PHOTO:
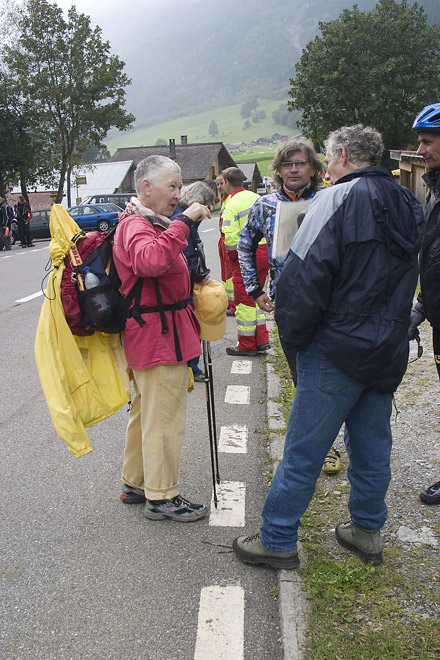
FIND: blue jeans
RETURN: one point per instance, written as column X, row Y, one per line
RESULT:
column 326, row 398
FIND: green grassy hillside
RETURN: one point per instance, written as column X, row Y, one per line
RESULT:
column 228, row 119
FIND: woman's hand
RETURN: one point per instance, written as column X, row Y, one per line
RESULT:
column 197, row 212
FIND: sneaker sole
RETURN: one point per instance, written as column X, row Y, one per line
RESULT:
column 374, row 558
column 152, row 515
column 273, row 562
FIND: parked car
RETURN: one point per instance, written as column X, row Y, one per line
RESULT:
column 262, row 188
column 112, row 207
column 92, row 216
column 39, row 226
column 115, row 198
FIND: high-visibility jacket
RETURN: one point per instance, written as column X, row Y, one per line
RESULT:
column 225, row 200
column 235, row 215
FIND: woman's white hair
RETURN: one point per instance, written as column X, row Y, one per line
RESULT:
column 199, row 191
column 151, row 167
column 363, row 144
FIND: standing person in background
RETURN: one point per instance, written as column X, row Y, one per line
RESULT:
column 225, row 266
column 253, row 336
column 201, row 192
column 353, row 266
column 5, row 243
column 427, row 125
column 23, row 213
column 297, row 176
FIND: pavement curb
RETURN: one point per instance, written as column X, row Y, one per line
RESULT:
column 292, row 597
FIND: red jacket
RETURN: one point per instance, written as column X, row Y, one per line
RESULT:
column 144, row 250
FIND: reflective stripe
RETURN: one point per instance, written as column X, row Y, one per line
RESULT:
column 226, row 223
column 242, row 214
column 246, row 333
column 231, row 248
column 244, row 322
column 261, row 321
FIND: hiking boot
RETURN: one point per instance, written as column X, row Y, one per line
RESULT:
column 250, row 550
column 332, row 462
column 176, row 509
column 132, row 495
column 234, row 350
column 431, row 495
column 263, row 348
column 367, row 545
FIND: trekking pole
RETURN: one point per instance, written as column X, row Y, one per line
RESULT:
column 210, row 405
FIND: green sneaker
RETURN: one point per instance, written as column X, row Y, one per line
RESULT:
column 367, row 545
column 250, row 550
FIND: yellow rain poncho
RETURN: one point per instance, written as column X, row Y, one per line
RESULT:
column 84, row 379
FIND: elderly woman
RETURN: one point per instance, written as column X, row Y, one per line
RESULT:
column 159, row 339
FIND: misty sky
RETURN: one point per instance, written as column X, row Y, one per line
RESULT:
column 111, row 15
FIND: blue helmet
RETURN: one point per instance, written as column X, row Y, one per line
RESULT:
column 428, row 119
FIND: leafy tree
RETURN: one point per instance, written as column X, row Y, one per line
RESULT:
column 92, row 153
column 378, row 68
column 213, row 128
column 24, row 154
column 247, row 107
column 65, row 72
column 160, row 142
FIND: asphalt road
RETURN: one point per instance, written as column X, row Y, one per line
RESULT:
column 84, row 576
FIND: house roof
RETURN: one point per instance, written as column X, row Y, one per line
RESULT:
column 398, row 154
column 195, row 160
column 249, row 170
column 102, row 177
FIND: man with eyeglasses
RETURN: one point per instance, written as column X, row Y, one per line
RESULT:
column 343, row 301
column 297, row 175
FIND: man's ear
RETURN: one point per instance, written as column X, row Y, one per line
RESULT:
column 344, row 155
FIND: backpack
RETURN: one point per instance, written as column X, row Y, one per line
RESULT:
column 102, row 308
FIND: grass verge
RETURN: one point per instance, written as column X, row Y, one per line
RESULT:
column 358, row 611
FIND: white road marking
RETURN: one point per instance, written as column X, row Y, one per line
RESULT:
column 241, row 367
column 31, row 297
column 233, row 439
column 239, row 394
column 230, row 510
column 205, row 231
column 220, row 632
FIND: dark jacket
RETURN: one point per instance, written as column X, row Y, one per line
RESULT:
column 194, row 251
column 349, row 279
column 429, row 295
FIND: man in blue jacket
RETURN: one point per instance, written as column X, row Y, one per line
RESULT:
column 343, row 301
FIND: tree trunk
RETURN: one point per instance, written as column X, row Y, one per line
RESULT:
column 23, row 187
column 69, row 187
column 2, row 185
column 59, row 197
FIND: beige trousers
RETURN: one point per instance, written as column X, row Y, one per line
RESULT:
column 155, row 430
